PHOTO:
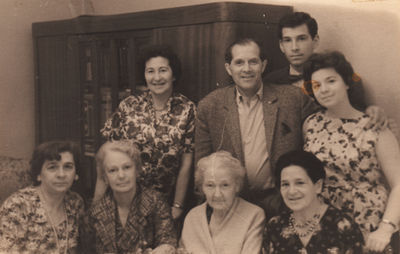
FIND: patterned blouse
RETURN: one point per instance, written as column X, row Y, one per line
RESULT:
column 149, row 224
column 337, row 233
column 25, row 228
column 161, row 141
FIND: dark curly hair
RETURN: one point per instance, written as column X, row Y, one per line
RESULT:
column 51, row 151
column 335, row 60
column 150, row 51
column 297, row 19
column 308, row 161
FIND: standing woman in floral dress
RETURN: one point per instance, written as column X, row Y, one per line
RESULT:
column 360, row 161
column 161, row 123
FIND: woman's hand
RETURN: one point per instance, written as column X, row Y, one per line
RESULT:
column 164, row 249
column 379, row 239
column 176, row 212
column 182, row 251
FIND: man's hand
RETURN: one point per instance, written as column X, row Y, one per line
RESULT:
column 378, row 118
column 394, row 127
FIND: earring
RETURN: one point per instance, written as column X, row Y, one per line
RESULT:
column 76, row 177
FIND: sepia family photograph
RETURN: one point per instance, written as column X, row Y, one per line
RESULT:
column 200, row 126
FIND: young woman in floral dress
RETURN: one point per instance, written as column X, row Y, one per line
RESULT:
column 360, row 161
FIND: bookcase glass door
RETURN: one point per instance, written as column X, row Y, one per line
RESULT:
column 107, row 76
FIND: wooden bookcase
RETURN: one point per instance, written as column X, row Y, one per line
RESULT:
column 86, row 65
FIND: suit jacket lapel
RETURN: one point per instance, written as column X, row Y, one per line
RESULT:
column 232, row 124
column 270, row 108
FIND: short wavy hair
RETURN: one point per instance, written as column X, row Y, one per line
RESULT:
column 296, row 19
column 151, row 51
column 330, row 59
column 50, row 151
column 123, row 146
column 243, row 42
column 308, row 161
column 216, row 161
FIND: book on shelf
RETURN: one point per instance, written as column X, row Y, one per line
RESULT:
column 106, row 104
column 88, row 115
column 123, row 94
column 89, row 147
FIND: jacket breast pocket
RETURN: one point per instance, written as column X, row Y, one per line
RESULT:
column 285, row 129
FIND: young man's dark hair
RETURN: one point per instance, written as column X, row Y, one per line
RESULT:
column 297, row 19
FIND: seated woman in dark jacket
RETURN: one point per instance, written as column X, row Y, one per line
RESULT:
column 128, row 218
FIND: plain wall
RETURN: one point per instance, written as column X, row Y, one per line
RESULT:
column 17, row 125
column 366, row 31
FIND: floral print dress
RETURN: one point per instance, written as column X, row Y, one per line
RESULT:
column 354, row 182
column 25, row 228
column 336, row 233
column 161, row 141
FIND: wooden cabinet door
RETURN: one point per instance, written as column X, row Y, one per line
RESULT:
column 57, row 89
column 194, row 44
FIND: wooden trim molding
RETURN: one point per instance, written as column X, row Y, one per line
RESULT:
column 188, row 15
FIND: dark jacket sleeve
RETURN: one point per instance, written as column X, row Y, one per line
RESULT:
column 308, row 106
column 203, row 140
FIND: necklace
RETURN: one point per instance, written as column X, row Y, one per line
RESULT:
column 53, row 226
column 303, row 230
column 306, row 228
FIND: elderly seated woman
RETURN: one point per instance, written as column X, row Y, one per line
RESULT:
column 128, row 218
column 225, row 223
column 44, row 218
column 311, row 226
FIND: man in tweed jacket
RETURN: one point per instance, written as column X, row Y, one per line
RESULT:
column 253, row 121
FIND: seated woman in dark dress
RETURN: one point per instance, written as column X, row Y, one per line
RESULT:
column 128, row 218
column 310, row 226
